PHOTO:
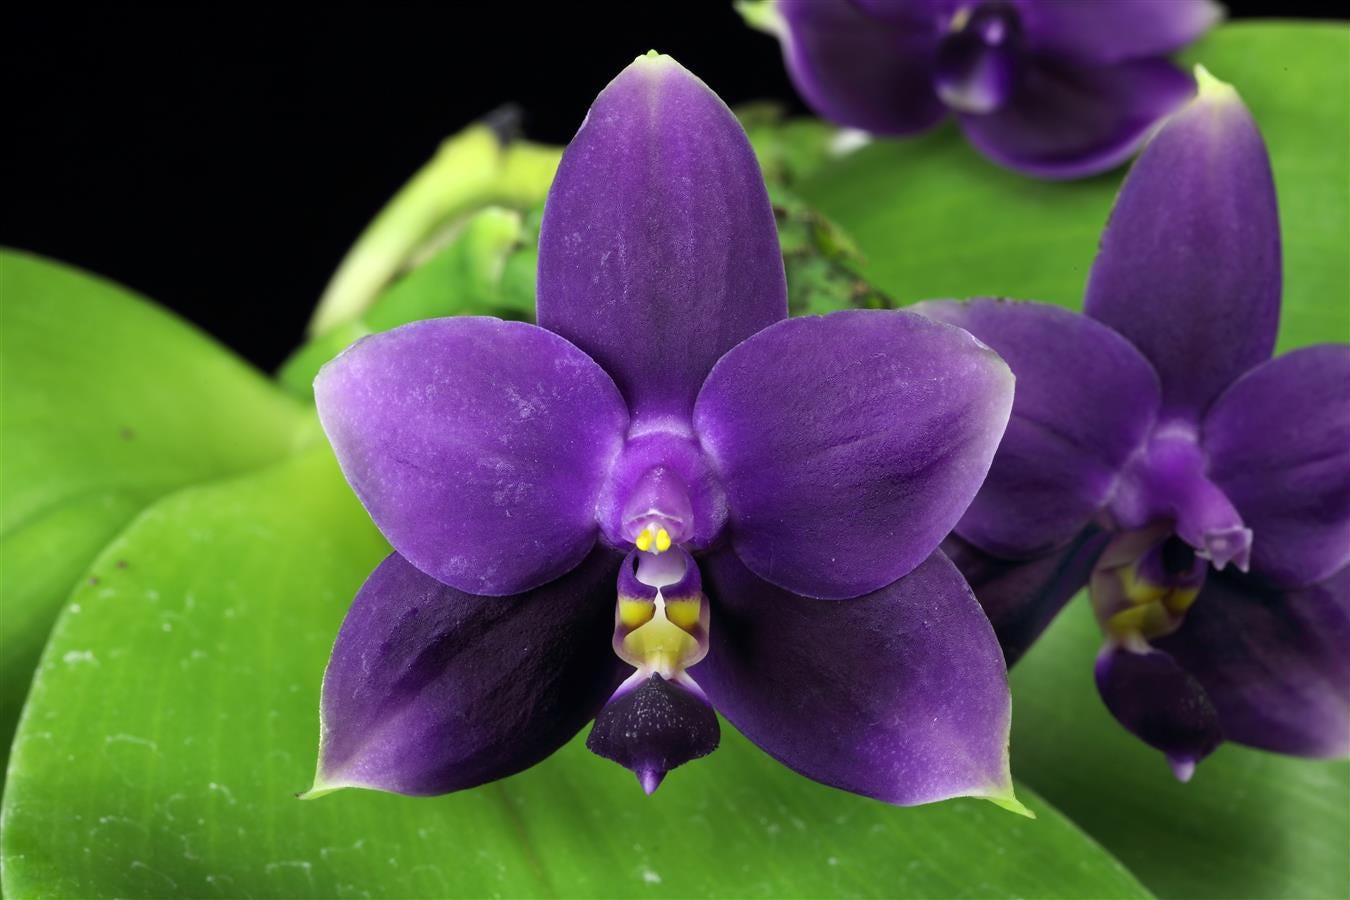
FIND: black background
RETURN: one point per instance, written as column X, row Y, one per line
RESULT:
column 221, row 160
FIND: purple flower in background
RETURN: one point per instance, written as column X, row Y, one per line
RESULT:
column 666, row 499
column 1156, row 449
column 1049, row 88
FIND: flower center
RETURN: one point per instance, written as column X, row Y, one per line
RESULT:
column 1167, row 483
column 658, row 718
column 662, row 493
column 658, row 512
column 1143, row 585
column 979, row 60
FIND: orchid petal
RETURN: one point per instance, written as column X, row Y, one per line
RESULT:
column 900, row 695
column 1085, row 401
column 1189, row 267
column 850, row 444
column 1022, row 597
column 478, row 446
column 1068, row 120
column 658, row 250
column 1160, row 703
column 1273, row 663
column 1278, row 442
column 861, row 70
column 1115, row 30
column 431, row 690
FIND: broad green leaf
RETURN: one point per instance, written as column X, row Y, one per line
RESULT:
column 934, row 219
column 175, row 715
column 108, row 403
column 1249, row 824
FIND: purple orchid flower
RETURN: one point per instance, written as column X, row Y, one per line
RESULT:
column 669, row 481
column 1158, row 451
column 1049, row 88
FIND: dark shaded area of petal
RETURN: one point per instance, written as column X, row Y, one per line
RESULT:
column 1189, row 266
column 1115, row 30
column 430, row 690
column 1084, row 402
column 900, row 695
column 653, row 727
column 1068, row 120
column 1278, row 442
column 478, row 446
column 1161, row 704
column 1274, row 663
column 1022, row 597
column 850, row 444
column 658, row 250
column 873, row 72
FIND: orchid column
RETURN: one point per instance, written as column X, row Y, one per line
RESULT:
column 665, row 498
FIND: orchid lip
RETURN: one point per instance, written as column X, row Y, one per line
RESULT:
column 659, row 718
column 1143, row 585
column 662, row 615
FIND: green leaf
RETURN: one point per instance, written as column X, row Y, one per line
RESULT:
column 1249, row 824
column 935, row 220
column 109, row 403
column 175, row 715
column 470, row 170
column 485, row 266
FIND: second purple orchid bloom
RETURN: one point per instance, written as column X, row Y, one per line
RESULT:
column 1157, row 451
column 666, row 499
column 1048, row 88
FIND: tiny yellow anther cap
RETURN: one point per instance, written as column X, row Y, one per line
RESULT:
column 643, row 540
column 662, row 541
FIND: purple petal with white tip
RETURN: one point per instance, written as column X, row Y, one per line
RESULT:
column 658, row 250
column 1115, row 30
column 1084, row 402
column 1161, row 704
column 1278, row 442
column 850, row 444
column 1274, row 663
column 900, row 695
column 479, row 447
column 1022, row 597
column 431, row 690
column 873, row 72
column 1068, row 120
column 1189, row 266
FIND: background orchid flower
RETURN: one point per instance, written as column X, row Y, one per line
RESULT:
column 1049, row 88
column 1156, row 448
column 667, row 488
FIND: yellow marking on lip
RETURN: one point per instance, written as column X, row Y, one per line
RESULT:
column 643, row 540
column 662, row 645
column 683, row 613
column 635, row 613
column 1180, row 600
column 1138, row 591
column 1145, row 621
